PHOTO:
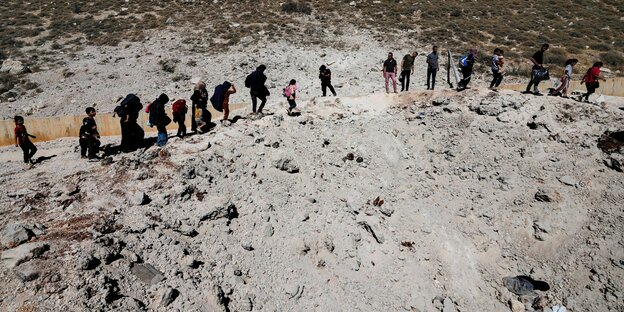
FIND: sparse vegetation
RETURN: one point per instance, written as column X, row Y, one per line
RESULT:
column 612, row 59
column 519, row 24
column 168, row 65
column 296, row 7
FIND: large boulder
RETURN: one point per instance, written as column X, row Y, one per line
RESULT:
column 14, row 67
column 15, row 234
column 14, row 257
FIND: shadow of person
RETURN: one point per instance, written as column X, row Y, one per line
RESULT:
column 237, row 118
column 41, row 159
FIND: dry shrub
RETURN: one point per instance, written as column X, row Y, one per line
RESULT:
column 613, row 59
column 297, row 7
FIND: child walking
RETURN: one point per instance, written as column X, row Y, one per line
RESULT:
column 179, row 110
column 562, row 90
column 22, row 139
column 290, row 92
column 89, row 135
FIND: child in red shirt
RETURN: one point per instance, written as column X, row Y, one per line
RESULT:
column 22, row 139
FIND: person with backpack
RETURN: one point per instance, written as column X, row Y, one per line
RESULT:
column 497, row 72
column 466, row 63
column 89, row 135
column 158, row 117
column 290, row 92
column 432, row 67
column 179, row 110
column 538, row 66
column 22, row 139
column 221, row 99
column 389, row 71
column 591, row 80
column 407, row 69
column 199, row 101
column 229, row 89
column 255, row 82
column 325, row 76
column 131, row 133
column 562, row 89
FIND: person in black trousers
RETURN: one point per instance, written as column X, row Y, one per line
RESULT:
column 255, row 82
column 407, row 69
column 432, row 68
column 89, row 135
column 325, row 76
column 538, row 63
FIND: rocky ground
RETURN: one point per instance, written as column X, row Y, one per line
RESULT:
column 100, row 75
column 418, row 202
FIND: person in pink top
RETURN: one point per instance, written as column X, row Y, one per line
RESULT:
column 390, row 71
column 591, row 80
column 290, row 92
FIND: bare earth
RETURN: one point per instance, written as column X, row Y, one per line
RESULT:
column 273, row 215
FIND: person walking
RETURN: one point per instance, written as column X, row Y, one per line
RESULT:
column 22, row 139
column 432, row 68
column 89, row 135
column 325, row 76
column 407, row 69
column 158, row 117
column 591, row 80
column 179, row 110
column 390, row 71
column 131, row 133
column 290, row 92
column 538, row 63
column 466, row 64
column 229, row 89
column 562, row 89
column 497, row 72
column 255, row 82
column 199, row 101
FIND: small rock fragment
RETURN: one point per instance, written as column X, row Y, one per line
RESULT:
column 147, row 273
column 168, row 296
column 27, row 272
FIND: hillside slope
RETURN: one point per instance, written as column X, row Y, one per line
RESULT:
column 452, row 193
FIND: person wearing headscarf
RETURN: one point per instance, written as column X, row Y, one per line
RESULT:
column 199, row 101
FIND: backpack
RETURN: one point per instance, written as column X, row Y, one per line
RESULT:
column 151, row 109
column 463, row 61
column 131, row 103
column 217, row 98
column 179, row 107
column 248, row 81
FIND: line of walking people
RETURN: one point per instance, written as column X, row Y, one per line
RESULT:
column 466, row 64
column 132, row 134
column 130, row 107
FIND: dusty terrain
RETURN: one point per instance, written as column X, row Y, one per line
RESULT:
column 423, row 201
column 452, row 193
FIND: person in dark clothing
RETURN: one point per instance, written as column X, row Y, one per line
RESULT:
column 390, row 71
column 497, row 69
column 407, row 69
column 89, row 135
column 158, row 117
column 131, row 133
column 538, row 63
column 465, row 65
column 22, row 139
column 325, row 76
column 179, row 110
column 255, row 82
column 432, row 68
column 199, row 101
